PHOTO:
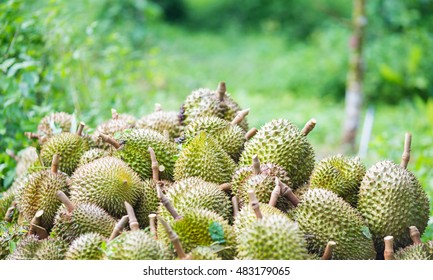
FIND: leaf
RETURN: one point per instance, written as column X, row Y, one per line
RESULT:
column 6, row 64
column 216, row 232
column 366, row 231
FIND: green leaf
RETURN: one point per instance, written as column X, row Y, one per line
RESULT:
column 216, row 232
column 366, row 231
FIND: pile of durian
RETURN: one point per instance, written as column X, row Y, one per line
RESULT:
column 199, row 185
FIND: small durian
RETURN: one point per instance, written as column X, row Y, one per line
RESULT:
column 91, row 155
column 53, row 124
column 25, row 249
column 161, row 121
column 87, row 246
column 117, row 124
column 25, row 159
column 51, row 249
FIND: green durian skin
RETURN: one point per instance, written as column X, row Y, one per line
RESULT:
column 25, row 249
column 135, row 152
column 414, row 252
column 91, row 155
column 51, row 249
column 204, row 158
column 272, row 237
column 161, row 121
column 69, row 146
column 87, row 246
column 323, row 216
column 280, row 142
column 340, row 174
column 137, row 245
column 203, row 253
column 391, row 200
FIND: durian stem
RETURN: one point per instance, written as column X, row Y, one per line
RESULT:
column 158, row 107
column 55, row 163
column 119, row 227
column 240, row 117
column 256, row 165
column 167, row 204
column 114, row 114
column 152, row 225
column 109, row 140
column 250, row 134
column 174, row 238
column 225, row 187
column 35, row 227
column 10, row 212
column 309, row 126
column 133, row 223
column 31, row 135
column 275, row 194
column 327, row 255
column 80, row 128
column 235, row 203
column 389, row 248
column 221, row 91
column 406, row 153
column 155, row 165
column 287, row 192
column 415, row 235
column 65, row 200
column 255, row 204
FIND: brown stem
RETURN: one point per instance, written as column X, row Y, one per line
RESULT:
column 287, row 192
column 389, row 248
column 415, row 235
column 167, row 204
column 35, row 227
column 133, row 223
column 406, row 153
column 65, row 200
column 114, row 114
column 10, row 212
column 221, row 91
column 80, row 128
column 255, row 204
column 109, row 140
column 275, row 194
column 327, row 255
column 250, row 134
column 31, row 135
column 158, row 107
column 55, row 163
column 174, row 238
column 155, row 165
column 121, row 224
column 309, row 126
column 235, row 203
column 152, row 224
column 256, row 165
column 240, row 117
column 225, row 187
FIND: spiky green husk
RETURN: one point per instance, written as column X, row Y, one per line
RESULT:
column 273, row 237
column 137, row 245
column 26, row 158
column 340, row 174
column 39, row 193
column 391, row 200
column 203, row 253
column 280, row 142
column 69, row 146
column 414, row 252
column 87, row 246
column 107, row 182
column 26, row 249
column 230, row 137
column 203, row 157
column 91, row 155
column 51, row 249
column 205, row 103
column 53, row 124
column 111, row 128
column 134, row 152
column 161, row 121
column 201, row 227
column 84, row 218
column 323, row 216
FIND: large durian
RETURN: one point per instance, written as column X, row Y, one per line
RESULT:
column 87, row 246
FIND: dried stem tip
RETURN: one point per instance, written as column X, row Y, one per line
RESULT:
column 31, row 135
column 35, row 227
column 55, row 163
column 221, row 91
column 10, row 212
column 256, row 165
column 174, row 238
column 155, row 165
column 114, row 114
column 275, row 194
column 65, row 200
column 225, row 187
column 309, row 126
column 133, row 223
column 121, row 224
column 235, row 203
column 152, row 225
column 240, row 117
column 287, row 192
column 415, row 235
column 167, row 204
column 255, row 204
column 80, row 128
column 109, row 140
column 389, row 248
column 250, row 134
column 327, row 255
column 406, row 152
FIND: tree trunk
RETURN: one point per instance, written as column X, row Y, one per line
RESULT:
column 354, row 77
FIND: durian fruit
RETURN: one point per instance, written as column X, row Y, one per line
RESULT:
column 280, row 142
column 229, row 135
column 53, row 124
column 391, row 199
column 161, row 121
column 270, row 237
column 39, row 193
column 51, row 249
column 73, row 220
column 206, row 103
column 25, row 249
column 340, row 174
column 87, row 246
column 25, row 159
column 323, row 216
column 203, row 253
column 416, row 251
column 117, row 124
column 132, row 147
column 91, row 155
column 203, row 157
column 106, row 182
column 70, row 147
